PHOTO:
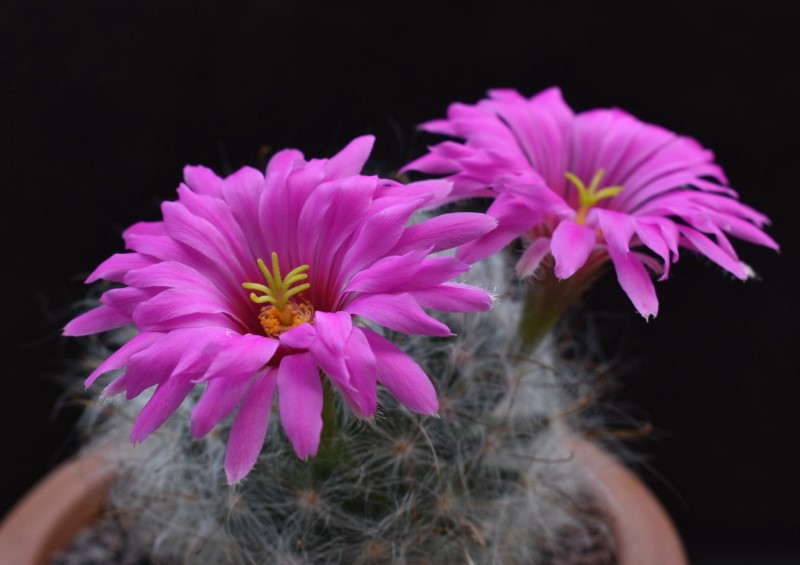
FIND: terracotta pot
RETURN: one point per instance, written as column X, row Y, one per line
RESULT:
column 644, row 531
column 56, row 509
column 71, row 496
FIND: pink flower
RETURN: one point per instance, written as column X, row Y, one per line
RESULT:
column 588, row 187
column 254, row 282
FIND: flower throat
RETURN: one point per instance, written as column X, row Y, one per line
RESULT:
column 280, row 313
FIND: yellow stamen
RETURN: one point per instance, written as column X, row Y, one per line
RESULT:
column 591, row 195
column 281, row 314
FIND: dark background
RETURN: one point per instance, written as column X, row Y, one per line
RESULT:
column 103, row 102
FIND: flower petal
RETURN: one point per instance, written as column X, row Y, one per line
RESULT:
column 120, row 357
column 175, row 303
column 115, row 267
column 412, row 271
column 406, row 380
column 202, row 180
column 571, row 245
column 652, row 237
column 329, row 216
column 165, row 400
column 399, row 312
column 299, row 337
column 697, row 241
column 300, row 402
column 238, row 356
column 635, row 281
column 617, row 229
column 219, row 399
column 362, row 396
column 250, row 427
column 445, row 232
column 95, row 321
column 377, row 235
column 174, row 350
column 350, row 160
column 242, row 191
column 126, row 300
column 454, row 297
column 517, row 209
column 532, row 257
column 332, row 331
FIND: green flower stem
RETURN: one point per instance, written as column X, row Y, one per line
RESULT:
column 546, row 301
column 327, row 454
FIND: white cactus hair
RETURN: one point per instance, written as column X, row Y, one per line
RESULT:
column 490, row 481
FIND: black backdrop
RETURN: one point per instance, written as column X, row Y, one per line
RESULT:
column 103, row 102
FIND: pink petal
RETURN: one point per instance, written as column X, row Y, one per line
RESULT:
column 175, row 303
column 432, row 163
column 172, row 274
column 160, row 246
column 514, row 219
column 126, row 300
column 239, row 355
column 202, row 236
column 443, row 127
column 401, row 376
column 454, row 297
column 279, row 167
column 225, row 232
column 115, row 387
column 283, row 199
column 250, row 427
column 652, row 237
column 120, row 357
column 94, row 321
column 242, row 192
column 746, row 231
column 517, row 209
column 411, row 271
column 617, row 229
column 154, row 364
column 219, row 399
column 635, row 281
column 115, row 267
column 350, row 160
column 328, row 349
column 165, row 400
column 329, row 216
column 532, row 257
column 300, row 402
column 202, row 180
column 445, row 232
column 705, row 246
column 300, row 337
column 399, row 312
column 571, row 245
column 362, row 395
column 540, row 127
column 377, row 235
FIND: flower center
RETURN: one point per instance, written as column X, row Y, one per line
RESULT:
column 281, row 311
column 591, row 195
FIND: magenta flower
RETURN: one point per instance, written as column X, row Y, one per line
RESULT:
column 254, row 282
column 588, row 187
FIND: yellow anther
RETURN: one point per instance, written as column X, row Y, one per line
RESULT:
column 591, row 195
column 278, row 290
